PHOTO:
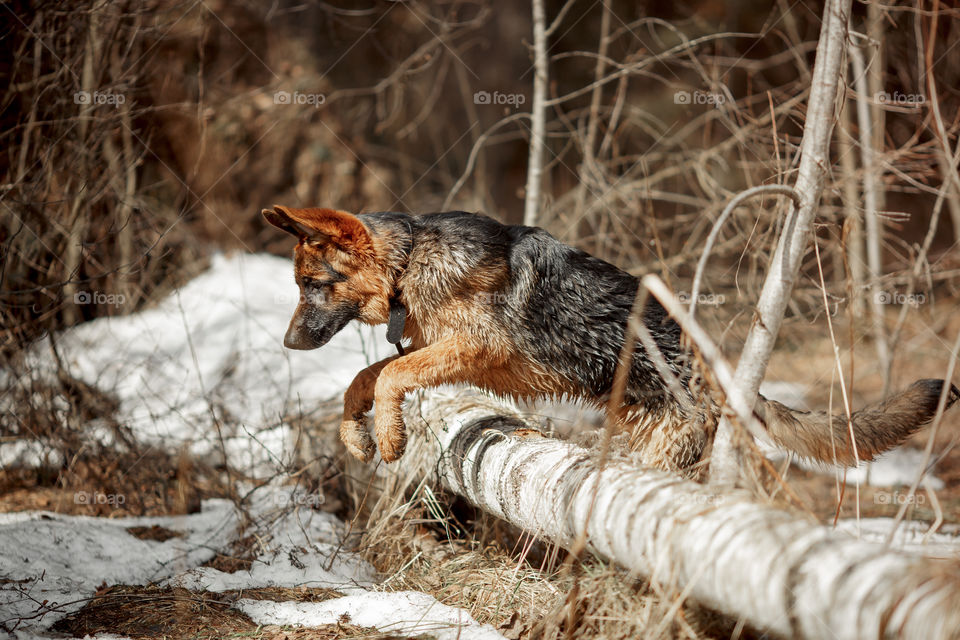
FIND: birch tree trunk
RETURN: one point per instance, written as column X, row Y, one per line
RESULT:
column 778, row 572
column 876, row 29
column 538, row 117
column 794, row 240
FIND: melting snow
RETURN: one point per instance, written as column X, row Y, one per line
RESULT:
column 212, row 348
column 215, row 348
column 401, row 612
column 61, row 560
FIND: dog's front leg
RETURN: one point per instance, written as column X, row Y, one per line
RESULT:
column 357, row 401
column 447, row 361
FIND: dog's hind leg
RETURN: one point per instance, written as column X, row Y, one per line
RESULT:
column 667, row 438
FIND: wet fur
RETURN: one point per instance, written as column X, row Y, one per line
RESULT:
column 514, row 311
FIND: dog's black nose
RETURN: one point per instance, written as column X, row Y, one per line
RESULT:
column 299, row 340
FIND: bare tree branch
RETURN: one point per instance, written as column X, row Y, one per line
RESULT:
column 779, row 189
column 793, row 242
column 538, row 128
column 871, row 188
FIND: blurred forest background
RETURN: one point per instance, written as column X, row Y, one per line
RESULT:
column 141, row 137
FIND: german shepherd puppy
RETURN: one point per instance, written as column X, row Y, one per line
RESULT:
column 514, row 311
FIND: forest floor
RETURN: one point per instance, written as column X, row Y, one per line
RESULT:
column 274, row 544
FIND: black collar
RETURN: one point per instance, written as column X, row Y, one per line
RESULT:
column 398, row 312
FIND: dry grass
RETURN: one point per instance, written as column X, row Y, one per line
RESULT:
column 155, row 533
column 807, row 357
column 423, row 539
column 141, row 612
column 133, row 215
column 175, row 613
column 239, row 556
column 522, row 586
column 113, row 483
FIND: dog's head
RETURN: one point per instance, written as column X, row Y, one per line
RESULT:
column 338, row 271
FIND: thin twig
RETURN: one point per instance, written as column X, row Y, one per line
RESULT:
column 712, row 355
column 778, row 189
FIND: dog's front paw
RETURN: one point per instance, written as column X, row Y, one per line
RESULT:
column 391, row 436
column 356, row 438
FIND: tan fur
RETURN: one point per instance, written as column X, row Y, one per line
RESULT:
column 454, row 337
column 451, row 338
column 357, row 401
column 668, row 439
column 876, row 428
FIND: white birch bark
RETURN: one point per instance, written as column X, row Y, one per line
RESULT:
column 794, row 240
column 777, row 571
column 538, row 117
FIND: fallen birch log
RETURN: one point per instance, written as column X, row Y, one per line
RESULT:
column 775, row 569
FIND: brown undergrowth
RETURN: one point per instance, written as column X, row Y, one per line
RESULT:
column 176, row 613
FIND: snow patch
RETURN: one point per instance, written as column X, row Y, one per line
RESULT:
column 898, row 466
column 911, row 535
column 212, row 348
column 63, row 559
column 210, row 353
column 305, row 548
column 792, row 394
column 403, row 612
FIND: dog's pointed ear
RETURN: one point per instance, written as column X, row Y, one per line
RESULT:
column 321, row 226
column 280, row 217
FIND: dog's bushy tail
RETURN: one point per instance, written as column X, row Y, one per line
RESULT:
column 877, row 427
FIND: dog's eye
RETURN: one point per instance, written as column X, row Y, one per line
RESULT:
column 317, row 296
